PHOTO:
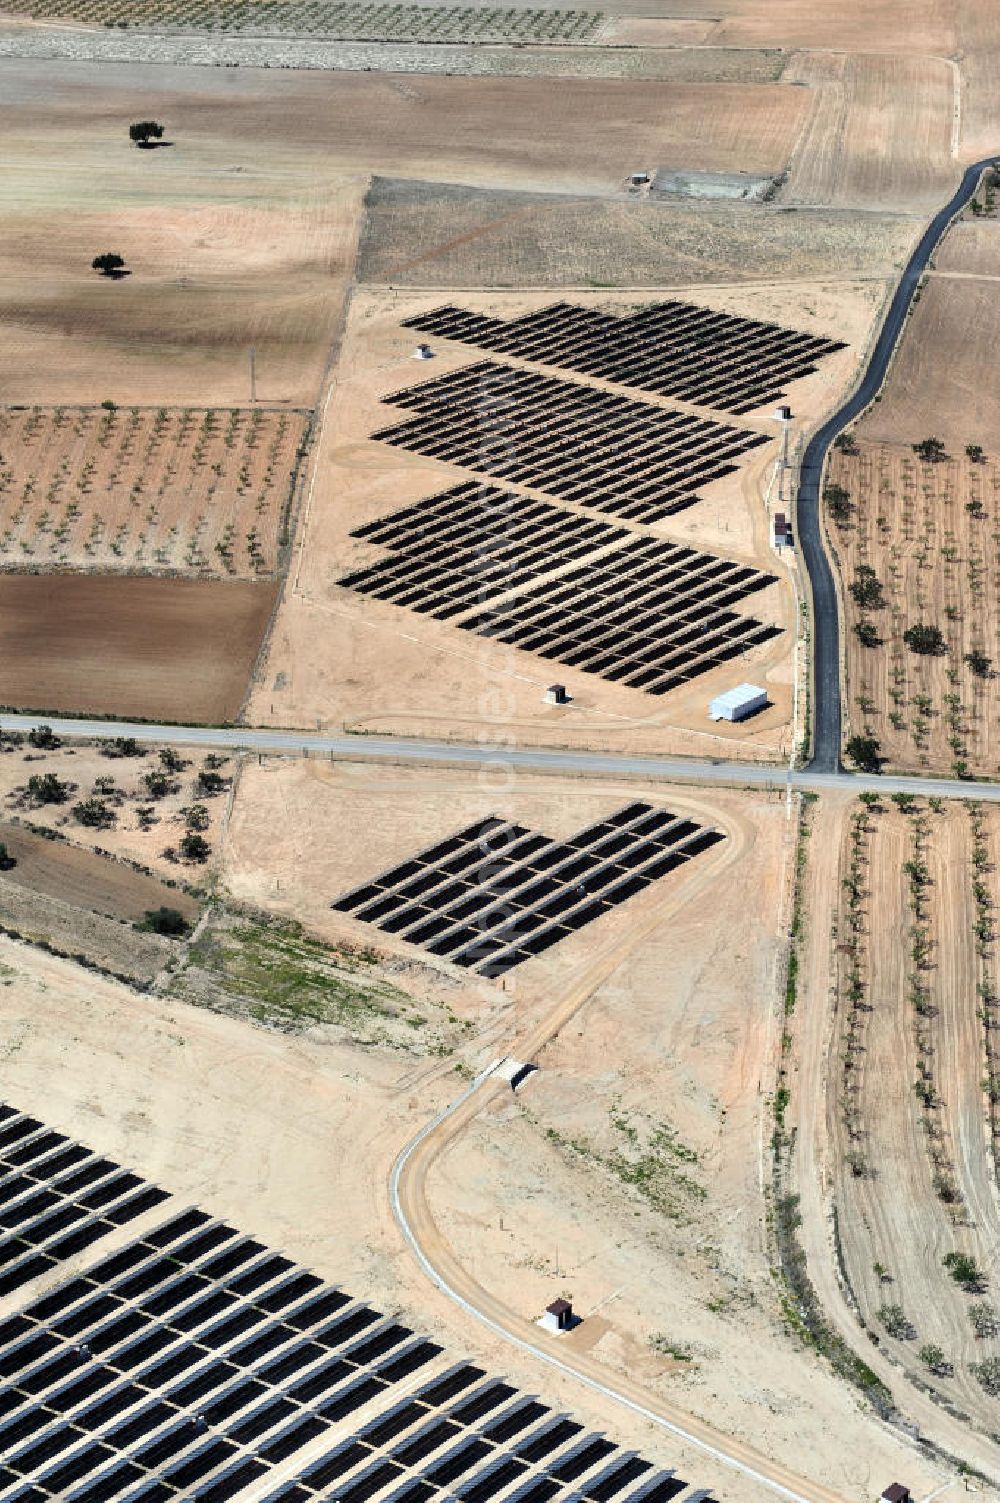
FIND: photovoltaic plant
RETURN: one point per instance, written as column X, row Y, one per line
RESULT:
column 496, row 893
column 194, row 1364
column 675, row 349
column 633, row 609
column 604, row 451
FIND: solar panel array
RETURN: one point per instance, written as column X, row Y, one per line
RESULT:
column 652, row 616
column 609, row 453
column 497, row 893
column 194, row 1363
column 470, row 544
column 639, row 611
column 57, row 1198
column 673, row 348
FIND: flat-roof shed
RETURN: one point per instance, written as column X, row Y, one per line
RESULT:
column 738, row 703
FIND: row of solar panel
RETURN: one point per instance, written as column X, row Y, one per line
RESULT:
column 482, row 520
column 674, row 349
column 56, row 1199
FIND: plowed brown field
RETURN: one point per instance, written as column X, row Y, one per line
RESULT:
column 164, row 649
column 879, row 136
column 86, row 880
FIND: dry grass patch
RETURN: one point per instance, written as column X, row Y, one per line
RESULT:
column 158, row 490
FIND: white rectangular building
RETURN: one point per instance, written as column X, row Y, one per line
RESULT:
column 738, row 703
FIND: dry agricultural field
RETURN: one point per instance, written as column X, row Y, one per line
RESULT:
column 914, row 1082
column 172, row 491
column 928, row 533
column 160, row 649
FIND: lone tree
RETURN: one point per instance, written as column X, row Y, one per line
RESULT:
column 866, row 633
column 864, row 753
column 930, row 450
column 924, row 639
column 975, row 453
column 7, row 861
column 839, row 502
column 978, row 662
column 145, row 131
column 109, row 263
column 866, row 588
column 167, row 921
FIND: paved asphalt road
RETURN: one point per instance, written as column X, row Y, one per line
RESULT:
column 826, row 627
column 531, row 759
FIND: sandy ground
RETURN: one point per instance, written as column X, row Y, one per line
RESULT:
column 935, row 561
column 257, row 1125
column 336, row 658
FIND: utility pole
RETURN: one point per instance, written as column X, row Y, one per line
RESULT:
column 784, row 417
column 253, row 374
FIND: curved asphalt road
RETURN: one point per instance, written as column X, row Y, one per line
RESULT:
column 809, row 524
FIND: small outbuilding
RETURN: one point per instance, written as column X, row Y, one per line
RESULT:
column 738, row 703
column 556, row 694
column 896, row 1492
column 423, row 352
column 558, row 1317
column 781, row 530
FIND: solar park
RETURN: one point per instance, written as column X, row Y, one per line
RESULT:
column 672, row 348
column 632, row 609
column 607, row 452
column 193, row 1363
column 496, row 893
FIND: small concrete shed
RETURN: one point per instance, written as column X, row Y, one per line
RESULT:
column 738, row 703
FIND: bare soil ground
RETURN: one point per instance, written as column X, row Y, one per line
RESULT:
column 127, row 840
column 898, row 1153
column 160, row 491
column 341, row 658
column 98, row 942
column 441, row 235
column 879, row 135
column 936, row 386
column 935, row 560
column 162, row 649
